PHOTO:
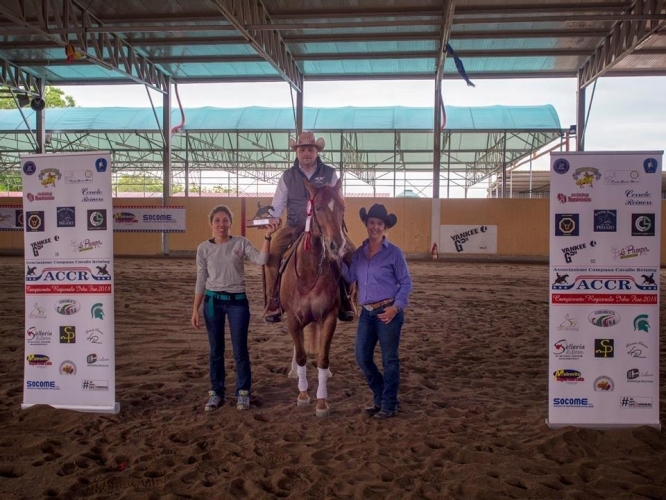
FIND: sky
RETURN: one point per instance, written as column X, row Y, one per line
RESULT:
column 627, row 114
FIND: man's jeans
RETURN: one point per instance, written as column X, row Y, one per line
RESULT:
column 370, row 331
column 238, row 312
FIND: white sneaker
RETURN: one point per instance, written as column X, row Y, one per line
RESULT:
column 243, row 400
column 214, row 401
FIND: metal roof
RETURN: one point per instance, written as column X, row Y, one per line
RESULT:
column 188, row 41
column 381, row 147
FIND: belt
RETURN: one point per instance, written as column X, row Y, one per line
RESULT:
column 223, row 296
column 376, row 305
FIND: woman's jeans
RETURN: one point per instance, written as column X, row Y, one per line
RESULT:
column 238, row 312
column 370, row 331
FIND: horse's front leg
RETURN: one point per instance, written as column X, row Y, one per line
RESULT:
column 300, row 359
column 323, row 373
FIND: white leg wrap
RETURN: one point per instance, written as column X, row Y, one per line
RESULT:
column 302, row 378
column 322, row 375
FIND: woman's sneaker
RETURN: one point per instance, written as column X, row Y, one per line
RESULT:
column 214, row 401
column 243, row 400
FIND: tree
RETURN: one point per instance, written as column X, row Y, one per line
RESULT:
column 137, row 183
column 10, row 181
column 54, row 97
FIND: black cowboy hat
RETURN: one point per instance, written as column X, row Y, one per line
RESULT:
column 378, row 211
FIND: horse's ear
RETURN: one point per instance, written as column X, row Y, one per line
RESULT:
column 311, row 189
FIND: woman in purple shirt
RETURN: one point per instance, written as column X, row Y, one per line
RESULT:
column 384, row 284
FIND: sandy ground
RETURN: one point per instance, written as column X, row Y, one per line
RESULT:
column 471, row 422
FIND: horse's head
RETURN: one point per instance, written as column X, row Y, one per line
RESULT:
column 327, row 210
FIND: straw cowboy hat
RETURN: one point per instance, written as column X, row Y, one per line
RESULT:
column 307, row 139
column 378, row 212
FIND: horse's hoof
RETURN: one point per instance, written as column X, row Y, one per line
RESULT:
column 322, row 413
column 303, row 402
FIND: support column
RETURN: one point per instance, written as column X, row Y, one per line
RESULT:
column 166, row 158
column 580, row 115
column 299, row 112
column 40, row 132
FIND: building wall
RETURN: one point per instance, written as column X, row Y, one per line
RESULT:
column 522, row 224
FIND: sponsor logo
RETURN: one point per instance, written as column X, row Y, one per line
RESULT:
column 637, row 350
column 125, row 218
column 171, row 218
column 68, row 274
column 97, row 311
column 67, row 307
column 41, row 384
column 564, row 350
column 569, row 252
column 34, row 221
column 628, row 252
column 97, row 220
column 572, row 403
column 640, row 402
column 38, row 312
column 604, row 283
column 85, row 245
column 569, row 376
column 49, row 176
column 566, row 225
column 67, row 368
column 637, row 198
column 561, row 166
column 604, row 384
column 92, row 195
column 650, row 165
column 635, row 376
column 641, row 323
column 605, row 221
column 101, row 164
column 604, row 348
column 642, row 224
column 78, row 176
column 568, row 325
column 617, row 177
column 19, row 221
column 94, row 335
column 585, row 177
column 38, row 360
column 36, row 337
column 68, row 334
column 29, row 168
column 41, row 196
column 574, row 198
column 458, row 239
column 97, row 361
column 38, row 245
column 94, row 385
column 66, row 216
column 604, row 318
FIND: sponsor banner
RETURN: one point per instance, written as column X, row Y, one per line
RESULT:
column 69, row 282
column 468, row 239
column 149, row 219
column 11, row 218
column 605, row 219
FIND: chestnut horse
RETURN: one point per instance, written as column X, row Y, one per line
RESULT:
column 310, row 289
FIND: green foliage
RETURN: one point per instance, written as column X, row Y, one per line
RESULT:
column 10, row 182
column 136, row 183
column 54, row 97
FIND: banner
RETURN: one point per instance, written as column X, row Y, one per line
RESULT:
column 468, row 239
column 69, row 294
column 149, row 219
column 605, row 211
column 11, row 218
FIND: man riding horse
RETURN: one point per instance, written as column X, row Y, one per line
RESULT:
column 292, row 194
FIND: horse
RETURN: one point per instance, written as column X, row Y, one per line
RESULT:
column 309, row 288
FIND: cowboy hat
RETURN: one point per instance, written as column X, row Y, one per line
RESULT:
column 378, row 212
column 307, row 139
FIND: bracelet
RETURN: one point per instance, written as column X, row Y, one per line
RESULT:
column 268, row 238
